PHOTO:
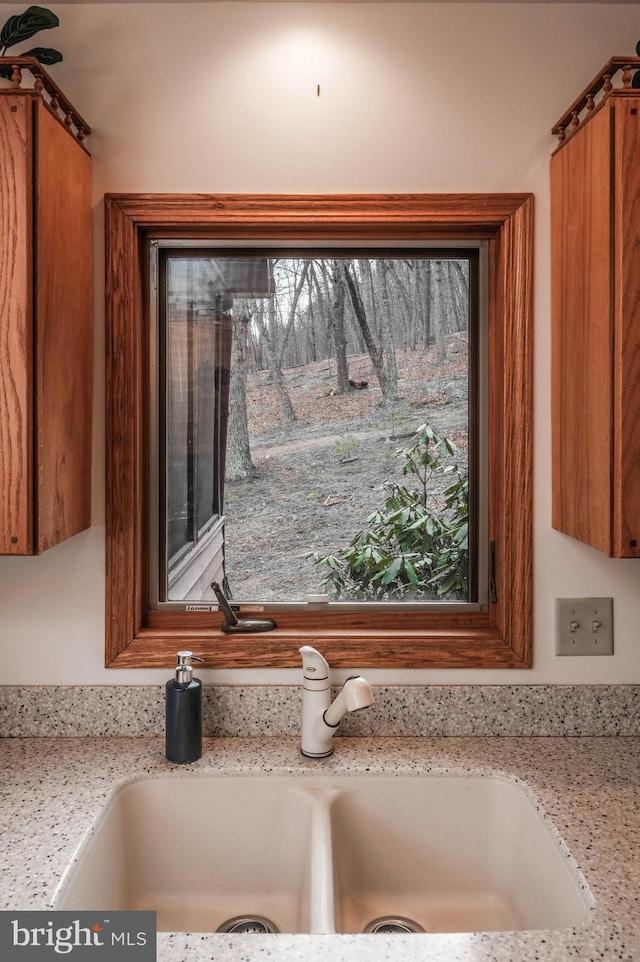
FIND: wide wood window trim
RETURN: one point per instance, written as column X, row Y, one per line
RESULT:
column 497, row 638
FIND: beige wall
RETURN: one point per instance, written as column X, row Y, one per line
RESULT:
column 414, row 97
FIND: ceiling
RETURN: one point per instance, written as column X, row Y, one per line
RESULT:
column 13, row 3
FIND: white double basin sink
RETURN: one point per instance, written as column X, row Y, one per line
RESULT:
column 325, row 854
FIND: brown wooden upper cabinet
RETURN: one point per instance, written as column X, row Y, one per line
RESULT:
column 595, row 222
column 45, row 317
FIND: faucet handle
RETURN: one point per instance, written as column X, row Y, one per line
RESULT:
column 314, row 666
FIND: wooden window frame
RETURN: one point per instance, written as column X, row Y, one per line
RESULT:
column 500, row 637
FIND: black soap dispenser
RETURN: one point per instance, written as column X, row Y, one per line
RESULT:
column 183, row 708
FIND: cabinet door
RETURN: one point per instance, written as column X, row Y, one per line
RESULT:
column 582, row 415
column 626, row 464
column 45, row 329
column 16, row 334
column 64, row 342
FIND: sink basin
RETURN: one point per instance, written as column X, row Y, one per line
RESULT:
column 198, row 851
column 455, row 854
column 327, row 854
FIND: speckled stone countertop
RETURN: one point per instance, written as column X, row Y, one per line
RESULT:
column 53, row 790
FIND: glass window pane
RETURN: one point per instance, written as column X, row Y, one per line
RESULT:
column 178, row 420
column 325, row 405
column 205, row 506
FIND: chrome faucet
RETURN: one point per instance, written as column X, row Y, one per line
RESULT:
column 321, row 717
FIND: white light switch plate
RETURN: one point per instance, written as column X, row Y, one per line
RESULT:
column 584, row 626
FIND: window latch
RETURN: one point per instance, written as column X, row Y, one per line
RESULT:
column 231, row 623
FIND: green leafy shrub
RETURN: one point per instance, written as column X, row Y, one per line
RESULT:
column 416, row 547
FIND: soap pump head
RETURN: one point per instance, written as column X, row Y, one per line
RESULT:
column 184, row 666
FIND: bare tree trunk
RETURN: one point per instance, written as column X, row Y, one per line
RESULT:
column 459, row 283
column 337, row 318
column 288, row 414
column 368, row 293
column 425, row 293
column 414, row 304
column 386, row 336
column 239, row 463
column 375, row 352
column 334, row 298
column 312, row 346
column 300, row 282
column 438, row 310
column 401, row 274
column 323, row 302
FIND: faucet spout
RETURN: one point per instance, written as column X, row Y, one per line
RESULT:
column 321, row 717
column 355, row 695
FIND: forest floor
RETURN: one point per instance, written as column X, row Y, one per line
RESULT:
column 320, row 477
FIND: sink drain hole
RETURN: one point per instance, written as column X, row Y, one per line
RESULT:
column 248, row 925
column 392, row 925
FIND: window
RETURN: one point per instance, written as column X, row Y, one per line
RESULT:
column 328, row 398
column 217, row 262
